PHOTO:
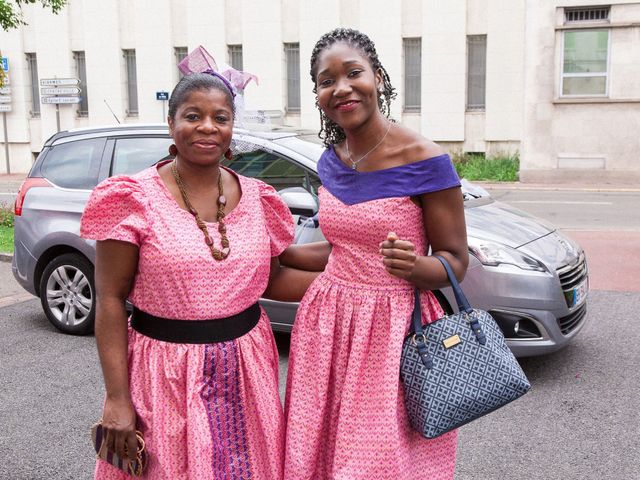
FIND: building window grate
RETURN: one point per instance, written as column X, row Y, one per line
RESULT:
column 32, row 64
column 81, row 72
column 292, row 60
column 591, row 14
column 235, row 56
column 476, row 72
column 180, row 54
column 132, row 81
column 412, row 49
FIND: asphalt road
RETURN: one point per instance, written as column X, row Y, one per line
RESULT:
column 588, row 209
column 580, row 421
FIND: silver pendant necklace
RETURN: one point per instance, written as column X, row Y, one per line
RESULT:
column 355, row 163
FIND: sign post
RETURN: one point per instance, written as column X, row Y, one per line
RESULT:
column 5, row 106
column 163, row 96
column 59, row 90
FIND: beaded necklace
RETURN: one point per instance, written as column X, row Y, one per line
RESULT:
column 222, row 229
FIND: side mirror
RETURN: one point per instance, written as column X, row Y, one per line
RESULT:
column 299, row 201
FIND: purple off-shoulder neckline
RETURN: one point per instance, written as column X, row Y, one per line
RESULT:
column 352, row 187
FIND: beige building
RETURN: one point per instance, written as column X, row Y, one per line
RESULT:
column 558, row 82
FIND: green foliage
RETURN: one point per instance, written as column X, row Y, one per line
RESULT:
column 6, row 216
column 6, row 239
column 11, row 11
column 499, row 168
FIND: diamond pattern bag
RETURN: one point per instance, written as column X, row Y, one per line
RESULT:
column 457, row 368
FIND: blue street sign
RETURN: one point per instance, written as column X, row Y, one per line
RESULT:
column 5, row 64
column 162, row 95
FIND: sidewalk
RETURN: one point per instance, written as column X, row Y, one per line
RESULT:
column 565, row 186
column 11, row 183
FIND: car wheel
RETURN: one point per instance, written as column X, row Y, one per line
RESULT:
column 67, row 294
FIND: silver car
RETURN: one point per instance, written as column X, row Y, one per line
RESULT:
column 532, row 279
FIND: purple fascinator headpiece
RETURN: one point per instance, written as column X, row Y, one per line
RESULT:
column 201, row 61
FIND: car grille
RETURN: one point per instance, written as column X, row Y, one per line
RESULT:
column 571, row 276
column 574, row 319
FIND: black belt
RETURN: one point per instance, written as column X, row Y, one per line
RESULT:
column 196, row 331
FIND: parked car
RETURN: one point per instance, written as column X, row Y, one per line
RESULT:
column 532, row 279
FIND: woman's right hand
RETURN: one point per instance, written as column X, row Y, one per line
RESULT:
column 119, row 425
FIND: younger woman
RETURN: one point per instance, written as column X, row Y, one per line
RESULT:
column 344, row 407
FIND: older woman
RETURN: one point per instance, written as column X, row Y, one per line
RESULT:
column 192, row 246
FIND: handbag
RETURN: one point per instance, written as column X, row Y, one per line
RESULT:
column 457, row 368
column 134, row 467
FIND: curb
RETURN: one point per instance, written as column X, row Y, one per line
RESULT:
column 554, row 187
column 6, row 257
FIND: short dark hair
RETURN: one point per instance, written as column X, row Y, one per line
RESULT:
column 330, row 132
column 193, row 82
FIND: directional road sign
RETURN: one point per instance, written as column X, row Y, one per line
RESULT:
column 5, row 91
column 52, row 82
column 59, row 91
column 162, row 95
column 5, row 108
column 54, row 100
column 5, row 99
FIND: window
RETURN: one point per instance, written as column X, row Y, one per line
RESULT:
column 235, row 56
column 132, row 155
column 270, row 168
column 292, row 60
column 32, row 63
column 585, row 62
column 281, row 173
column 412, row 48
column 132, row 81
column 81, row 72
column 476, row 71
column 180, row 54
column 74, row 164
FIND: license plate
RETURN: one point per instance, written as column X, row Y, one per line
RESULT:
column 580, row 293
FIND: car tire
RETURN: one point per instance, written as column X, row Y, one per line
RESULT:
column 67, row 294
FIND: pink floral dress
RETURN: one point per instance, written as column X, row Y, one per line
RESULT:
column 206, row 411
column 344, row 406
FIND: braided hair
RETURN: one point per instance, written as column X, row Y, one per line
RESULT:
column 330, row 132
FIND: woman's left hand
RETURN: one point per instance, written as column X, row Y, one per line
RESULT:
column 398, row 256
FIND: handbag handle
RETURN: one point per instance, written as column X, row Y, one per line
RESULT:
column 419, row 336
column 461, row 299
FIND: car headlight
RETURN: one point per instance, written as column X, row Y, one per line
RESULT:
column 493, row 254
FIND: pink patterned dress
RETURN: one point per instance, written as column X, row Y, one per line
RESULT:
column 207, row 411
column 344, row 407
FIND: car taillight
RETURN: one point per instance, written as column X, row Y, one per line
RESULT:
column 24, row 188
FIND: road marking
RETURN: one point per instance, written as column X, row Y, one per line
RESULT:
column 559, row 202
column 17, row 298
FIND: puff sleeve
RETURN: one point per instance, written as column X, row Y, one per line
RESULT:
column 116, row 210
column 277, row 218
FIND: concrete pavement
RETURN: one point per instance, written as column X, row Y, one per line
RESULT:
column 11, row 183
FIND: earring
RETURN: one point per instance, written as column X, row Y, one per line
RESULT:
column 173, row 150
column 228, row 154
column 380, row 89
